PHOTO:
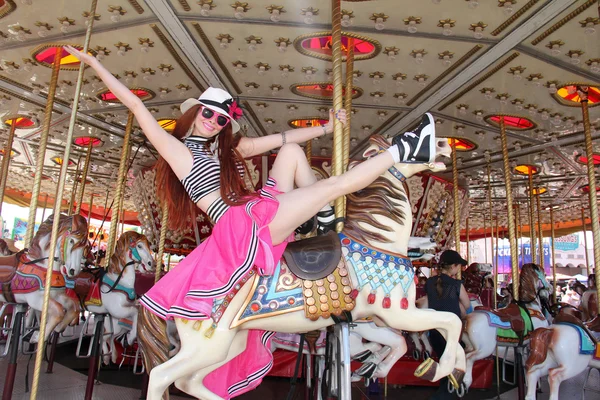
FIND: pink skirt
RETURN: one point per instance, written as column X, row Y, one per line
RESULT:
column 240, row 241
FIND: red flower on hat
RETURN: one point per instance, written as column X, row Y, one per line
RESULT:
column 235, row 112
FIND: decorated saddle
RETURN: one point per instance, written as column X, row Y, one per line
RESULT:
column 513, row 324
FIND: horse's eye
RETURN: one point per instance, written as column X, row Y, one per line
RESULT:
column 72, row 241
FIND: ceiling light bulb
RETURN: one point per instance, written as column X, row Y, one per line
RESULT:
column 275, row 91
column 285, row 73
column 391, row 55
column 555, row 49
column 422, row 82
column 116, row 16
column 164, row 94
column 224, row 43
column 488, row 95
column 401, row 100
column 376, row 99
column 205, row 10
column 447, row 61
column 419, row 58
column 65, row 27
column 261, row 70
column 145, row 48
column 100, row 55
column 517, row 75
column 412, row 27
column 545, row 115
column 589, row 28
column 308, row 18
column 165, row 72
column 252, row 45
column 282, row 48
column 346, row 21
column 478, row 32
column 275, row 16
column 473, row 4
column 43, row 32
column 122, row 51
column 239, row 13
column 239, row 68
column 376, row 80
column 552, row 88
column 508, row 8
column 447, row 30
column 379, row 24
column 595, row 67
column 575, row 60
column 147, row 76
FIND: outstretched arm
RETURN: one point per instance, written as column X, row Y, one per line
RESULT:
column 169, row 147
column 249, row 147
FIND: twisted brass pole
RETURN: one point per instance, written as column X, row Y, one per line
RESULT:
column 41, row 157
column 6, row 161
column 455, row 200
column 348, row 101
column 467, row 238
column 585, row 244
column 59, row 190
column 76, row 177
column 89, row 218
column 540, row 229
column 308, row 152
column 519, row 222
column 589, row 150
column 164, row 222
column 338, row 129
column 553, row 255
column 510, row 212
column 489, row 196
column 531, row 217
column 114, row 218
column 497, row 239
column 45, row 206
column 485, row 249
column 84, row 174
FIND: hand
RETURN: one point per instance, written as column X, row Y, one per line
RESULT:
column 340, row 115
column 86, row 58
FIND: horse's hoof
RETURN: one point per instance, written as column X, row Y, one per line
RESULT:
column 416, row 354
column 362, row 356
column 427, row 370
column 460, row 391
column 426, row 355
column 367, row 370
column 456, row 378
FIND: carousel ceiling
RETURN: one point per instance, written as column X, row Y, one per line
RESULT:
column 466, row 61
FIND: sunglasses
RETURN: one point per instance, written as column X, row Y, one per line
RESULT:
column 209, row 114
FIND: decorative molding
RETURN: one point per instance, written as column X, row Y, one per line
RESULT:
column 185, row 5
column 563, row 21
column 176, row 56
column 136, row 6
column 10, row 6
column 513, row 17
column 215, row 55
column 298, row 45
column 446, row 72
column 481, row 79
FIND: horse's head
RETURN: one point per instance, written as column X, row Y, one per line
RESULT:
column 533, row 283
column 73, row 245
column 132, row 248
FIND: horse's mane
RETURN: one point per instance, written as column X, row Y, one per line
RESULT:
column 118, row 258
column 527, row 280
column 4, row 247
column 76, row 223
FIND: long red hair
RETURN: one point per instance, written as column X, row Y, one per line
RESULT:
column 233, row 189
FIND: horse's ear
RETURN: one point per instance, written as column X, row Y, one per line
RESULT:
column 79, row 223
column 371, row 151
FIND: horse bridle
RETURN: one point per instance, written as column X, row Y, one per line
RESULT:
column 63, row 251
column 135, row 259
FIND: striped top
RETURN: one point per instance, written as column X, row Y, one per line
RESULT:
column 205, row 176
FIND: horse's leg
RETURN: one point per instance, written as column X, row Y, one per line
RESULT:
column 185, row 363
column 532, row 377
column 71, row 308
column 482, row 338
column 55, row 311
column 132, row 335
column 387, row 337
column 415, row 337
column 428, row 349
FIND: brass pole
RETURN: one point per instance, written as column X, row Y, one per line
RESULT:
column 585, row 244
column 89, row 218
column 164, row 221
column 532, row 243
column 6, row 161
column 338, row 133
column 497, row 239
column 114, row 218
column 455, row 200
column 519, row 222
column 489, row 195
column 168, row 262
column 589, row 150
column 553, row 255
column 45, row 206
column 540, row 230
column 39, row 166
column 76, row 178
column 84, row 174
column 510, row 213
column 467, row 233
column 308, row 151
column 348, row 102
column 485, row 237
column 59, row 190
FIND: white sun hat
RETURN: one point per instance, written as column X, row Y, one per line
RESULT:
column 219, row 101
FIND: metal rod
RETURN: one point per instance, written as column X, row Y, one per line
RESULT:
column 84, row 174
column 6, row 161
column 338, row 129
column 455, row 201
column 531, row 217
column 114, row 220
column 585, row 243
column 489, row 194
column 519, row 222
column 89, row 218
column 497, row 239
column 164, row 222
column 467, row 238
column 308, row 152
column 510, row 213
column 75, row 186
column 57, row 203
column 553, row 255
column 540, row 229
column 589, row 151
column 348, row 102
column 41, row 157
column 485, row 249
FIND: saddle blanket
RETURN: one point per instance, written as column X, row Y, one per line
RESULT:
column 494, row 320
column 586, row 345
column 31, row 278
column 504, row 333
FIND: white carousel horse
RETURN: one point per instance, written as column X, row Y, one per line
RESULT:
column 481, row 327
column 561, row 351
column 26, row 272
column 188, row 370
column 117, row 289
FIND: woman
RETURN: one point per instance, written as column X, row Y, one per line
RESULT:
column 201, row 162
column 446, row 293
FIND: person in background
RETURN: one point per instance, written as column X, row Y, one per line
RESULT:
column 446, row 293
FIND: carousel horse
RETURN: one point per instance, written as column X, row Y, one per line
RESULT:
column 115, row 292
column 4, row 250
column 509, row 326
column 589, row 304
column 561, row 351
column 23, row 275
column 379, row 219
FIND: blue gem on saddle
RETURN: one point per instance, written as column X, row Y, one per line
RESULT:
column 377, row 269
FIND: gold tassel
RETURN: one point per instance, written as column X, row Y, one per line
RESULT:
column 210, row 331
column 185, row 321
column 197, row 325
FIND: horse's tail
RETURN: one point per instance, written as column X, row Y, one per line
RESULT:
column 540, row 341
column 152, row 334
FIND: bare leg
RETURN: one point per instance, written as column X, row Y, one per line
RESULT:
column 300, row 204
column 291, row 167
